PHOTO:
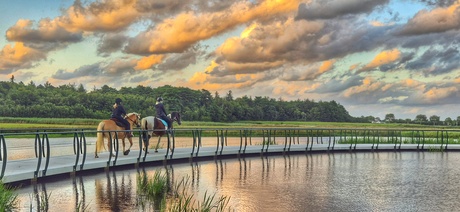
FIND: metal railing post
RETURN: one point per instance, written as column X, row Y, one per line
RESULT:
column 39, row 156
column 3, row 156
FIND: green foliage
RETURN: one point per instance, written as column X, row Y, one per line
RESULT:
column 154, row 188
column 72, row 101
column 8, row 199
column 177, row 197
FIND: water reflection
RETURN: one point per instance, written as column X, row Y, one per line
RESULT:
column 115, row 192
column 79, row 192
column 385, row 181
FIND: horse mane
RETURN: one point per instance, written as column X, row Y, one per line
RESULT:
column 129, row 114
column 173, row 113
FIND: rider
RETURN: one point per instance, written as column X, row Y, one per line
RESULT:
column 161, row 112
column 118, row 113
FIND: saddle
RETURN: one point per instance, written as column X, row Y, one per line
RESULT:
column 118, row 123
column 164, row 122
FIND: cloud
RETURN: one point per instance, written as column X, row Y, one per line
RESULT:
column 86, row 70
column 440, row 93
column 111, row 43
column 46, row 31
column 435, row 62
column 18, row 56
column 438, row 20
column 309, row 72
column 100, row 16
column 180, row 61
column 112, row 69
column 330, row 9
column 383, row 58
column 147, row 62
column 177, row 34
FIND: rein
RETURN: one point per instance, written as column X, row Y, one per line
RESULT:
column 137, row 124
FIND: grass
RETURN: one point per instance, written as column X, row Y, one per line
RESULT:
column 176, row 198
column 233, row 129
column 18, row 123
column 8, row 199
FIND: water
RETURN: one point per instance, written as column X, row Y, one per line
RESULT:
column 384, row 181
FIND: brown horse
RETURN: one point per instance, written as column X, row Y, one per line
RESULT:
column 110, row 125
column 155, row 127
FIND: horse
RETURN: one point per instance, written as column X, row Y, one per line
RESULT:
column 111, row 125
column 155, row 127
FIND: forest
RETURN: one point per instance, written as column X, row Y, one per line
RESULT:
column 74, row 101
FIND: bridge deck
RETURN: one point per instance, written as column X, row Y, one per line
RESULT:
column 26, row 169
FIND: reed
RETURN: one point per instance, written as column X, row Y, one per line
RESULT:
column 8, row 199
column 177, row 197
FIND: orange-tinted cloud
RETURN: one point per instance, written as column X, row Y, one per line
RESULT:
column 411, row 83
column 368, row 85
column 147, row 62
column 18, row 56
column 435, row 94
column 179, row 33
column 47, row 30
column 383, row 58
column 104, row 16
column 440, row 19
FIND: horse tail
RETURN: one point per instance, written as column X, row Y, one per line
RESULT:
column 144, row 127
column 100, row 137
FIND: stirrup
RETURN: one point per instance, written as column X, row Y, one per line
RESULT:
column 129, row 135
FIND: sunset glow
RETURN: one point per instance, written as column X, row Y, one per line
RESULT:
column 372, row 56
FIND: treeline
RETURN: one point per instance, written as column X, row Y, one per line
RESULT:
column 72, row 101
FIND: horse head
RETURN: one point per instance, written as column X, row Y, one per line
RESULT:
column 134, row 117
column 175, row 116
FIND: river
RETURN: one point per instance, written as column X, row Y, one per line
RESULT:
column 365, row 181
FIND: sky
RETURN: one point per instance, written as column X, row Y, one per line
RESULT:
column 374, row 57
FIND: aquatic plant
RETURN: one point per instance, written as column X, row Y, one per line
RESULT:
column 177, row 197
column 8, row 199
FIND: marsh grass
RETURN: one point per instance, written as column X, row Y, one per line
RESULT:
column 19, row 122
column 8, row 198
column 237, row 129
column 81, row 207
column 176, row 197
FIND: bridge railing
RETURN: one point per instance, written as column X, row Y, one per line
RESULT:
column 81, row 141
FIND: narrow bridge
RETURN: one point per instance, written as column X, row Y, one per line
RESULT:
column 27, row 155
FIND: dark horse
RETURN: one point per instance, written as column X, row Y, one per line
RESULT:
column 155, row 127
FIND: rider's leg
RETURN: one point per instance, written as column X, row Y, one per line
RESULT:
column 168, row 121
column 129, row 134
column 169, row 124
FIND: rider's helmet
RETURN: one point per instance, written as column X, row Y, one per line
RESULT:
column 159, row 99
column 118, row 100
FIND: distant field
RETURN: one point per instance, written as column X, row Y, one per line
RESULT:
column 26, row 125
column 32, row 123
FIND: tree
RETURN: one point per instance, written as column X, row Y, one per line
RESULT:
column 448, row 121
column 390, row 117
column 420, row 118
column 229, row 96
column 434, row 119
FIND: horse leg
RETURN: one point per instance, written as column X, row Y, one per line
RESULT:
column 109, row 145
column 95, row 153
column 123, row 143
column 158, row 144
column 130, row 145
column 145, row 139
column 147, row 143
